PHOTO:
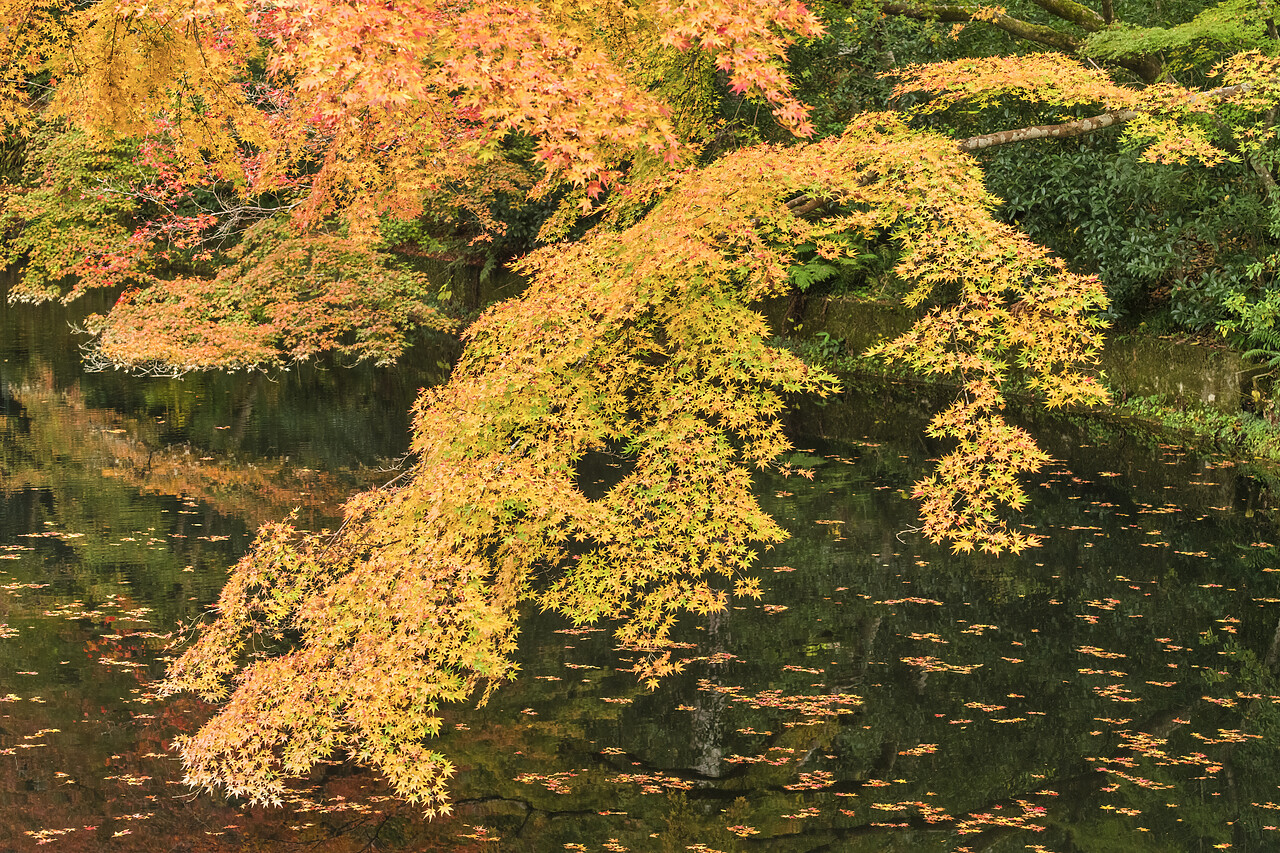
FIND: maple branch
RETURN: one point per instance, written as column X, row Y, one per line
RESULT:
column 1081, row 126
column 1078, row 14
column 805, row 204
column 1146, row 67
column 1016, row 27
column 1065, row 130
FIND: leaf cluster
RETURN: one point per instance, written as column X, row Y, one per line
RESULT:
column 364, row 111
column 1008, row 311
column 1166, row 120
column 282, row 298
column 638, row 343
column 68, row 221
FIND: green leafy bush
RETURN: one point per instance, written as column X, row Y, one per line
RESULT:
column 1171, row 238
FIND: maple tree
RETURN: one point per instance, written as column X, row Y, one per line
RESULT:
column 321, row 121
column 652, row 355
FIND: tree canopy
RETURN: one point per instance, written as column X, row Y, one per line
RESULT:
column 242, row 168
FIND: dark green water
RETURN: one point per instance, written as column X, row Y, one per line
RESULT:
column 1115, row 690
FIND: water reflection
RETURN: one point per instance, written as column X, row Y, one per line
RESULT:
column 122, row 503
column 1114, row 690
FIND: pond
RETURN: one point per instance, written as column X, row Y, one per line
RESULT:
column 1115, row 689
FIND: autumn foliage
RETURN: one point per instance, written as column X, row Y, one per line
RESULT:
column 641, row 345
column 387, row 101
column 295, row 130
column 281, row 298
